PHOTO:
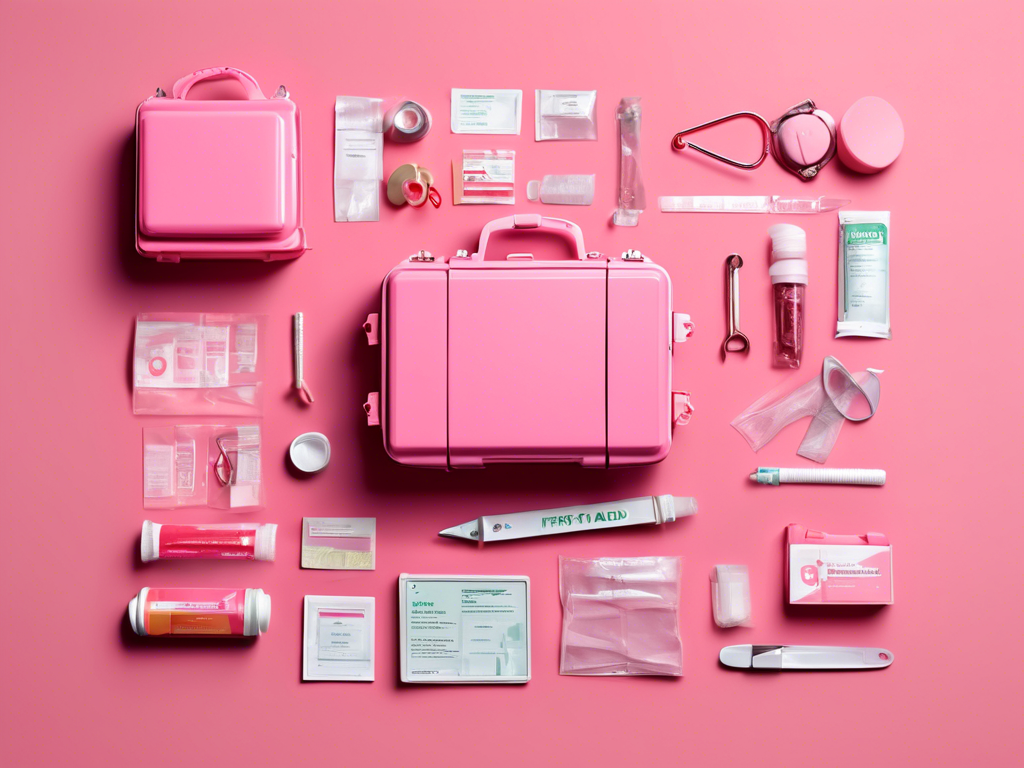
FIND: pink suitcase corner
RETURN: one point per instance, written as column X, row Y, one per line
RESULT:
column 218, row 179
column 518, row 360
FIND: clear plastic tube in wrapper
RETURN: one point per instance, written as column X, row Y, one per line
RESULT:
column 197, row 364
column 358, row 158
column 210, row 465
column 632, row 197
column 217, row 541
column 831, row 398
column 620, row 616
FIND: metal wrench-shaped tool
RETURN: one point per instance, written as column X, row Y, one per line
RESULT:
column 735, row 341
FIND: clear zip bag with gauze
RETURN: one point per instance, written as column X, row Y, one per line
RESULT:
column 620, row 616
column 198, row 364
column 830, row 398
column 208, row 465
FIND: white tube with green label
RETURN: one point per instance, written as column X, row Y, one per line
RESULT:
column 651, row 510
column 864, row 274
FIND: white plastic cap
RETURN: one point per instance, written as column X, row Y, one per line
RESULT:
column 266, row 541
column 533, row 190
column 310, row 452
column 257, row 612
column 788, row 242
column 788, row 271
column 674, row 507
column 136, row 606
column 150, row 541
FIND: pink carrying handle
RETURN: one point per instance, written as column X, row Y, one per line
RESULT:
column 252, row 88
column 531, row 221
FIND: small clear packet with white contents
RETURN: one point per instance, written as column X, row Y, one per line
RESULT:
column 566, row 115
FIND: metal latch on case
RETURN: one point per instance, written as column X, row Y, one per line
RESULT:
column 682, row 327
column 372, row 409
column 682, row 409
column 632, row 255
column 370, row 327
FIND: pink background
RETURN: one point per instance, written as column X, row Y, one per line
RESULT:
column 80, row 687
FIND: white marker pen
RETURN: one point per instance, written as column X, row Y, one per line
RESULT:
column 777, row 476
column 589, row 517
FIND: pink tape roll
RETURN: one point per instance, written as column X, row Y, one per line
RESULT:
column 870, row 135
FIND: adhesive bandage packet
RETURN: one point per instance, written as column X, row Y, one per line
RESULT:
column 854, row 569
column 484, row 177
column 464, row 629
column 477, row 110
column 337, row 638
column 339, row 543
column 565, row 115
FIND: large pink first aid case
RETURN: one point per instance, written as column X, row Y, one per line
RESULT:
column 218, row 178
column 513, row 359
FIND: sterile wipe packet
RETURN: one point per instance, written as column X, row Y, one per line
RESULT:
column 209, row 465
column 338, row 638
column 565, row 115
column 477, row 110
column 197, row 364
column 620, row 616
column 339, row 543
column 358, row 158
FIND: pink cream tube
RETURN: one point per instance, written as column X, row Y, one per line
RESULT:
column 227, row 541
column 200, row 612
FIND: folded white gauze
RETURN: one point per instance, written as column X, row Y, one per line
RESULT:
column 831, row 398
column 358, row 158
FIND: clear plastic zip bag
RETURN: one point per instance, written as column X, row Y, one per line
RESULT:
column 620, row 616
column 210, row 465
column 198, row 364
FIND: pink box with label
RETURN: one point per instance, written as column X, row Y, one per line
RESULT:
column 849, row 569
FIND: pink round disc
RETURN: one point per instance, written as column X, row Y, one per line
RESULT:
column 870, row 135
column 804, row 139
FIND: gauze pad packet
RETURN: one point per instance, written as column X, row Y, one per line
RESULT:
column 566, row 115
column 337, row 638
column 864, row 274
column 339, row 543
column 838, row 568
column 476, row 110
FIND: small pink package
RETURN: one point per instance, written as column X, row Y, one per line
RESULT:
column 847, row 569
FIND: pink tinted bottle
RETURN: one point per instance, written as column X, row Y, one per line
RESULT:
column 788, row 273
column 226, row 541
column 199, row 612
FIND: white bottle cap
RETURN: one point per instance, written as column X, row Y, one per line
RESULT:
column 150, row 541
column 257, row 612
column 136, row 606
column 788, row 242
column 266, row 541
column 533, row 191
column 310, row 452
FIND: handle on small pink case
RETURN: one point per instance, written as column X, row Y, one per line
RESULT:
column 531, row 221
column 252, row 88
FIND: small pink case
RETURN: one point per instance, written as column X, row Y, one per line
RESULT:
column 521, row 360
column 218, row 179
column 828, row 568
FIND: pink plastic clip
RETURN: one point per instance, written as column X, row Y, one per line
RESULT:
column 682, row 327
column 372, row 408
column 370, row 327
column 682, row 409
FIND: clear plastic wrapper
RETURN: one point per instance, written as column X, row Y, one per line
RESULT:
column 834, row 396
column 566, row 115
column 569, row 189
column 210, row 465
column 485, row 177
column 198, row 364
column 358, row 158
column 620, row 616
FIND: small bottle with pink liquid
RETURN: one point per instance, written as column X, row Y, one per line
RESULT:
column 199, row 612
column 788, row 273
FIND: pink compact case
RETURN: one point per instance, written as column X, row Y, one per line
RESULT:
column 218, row 178
column 513, row 359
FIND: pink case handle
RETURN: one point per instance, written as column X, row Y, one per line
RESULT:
column 252, row 88
column 531, row 221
